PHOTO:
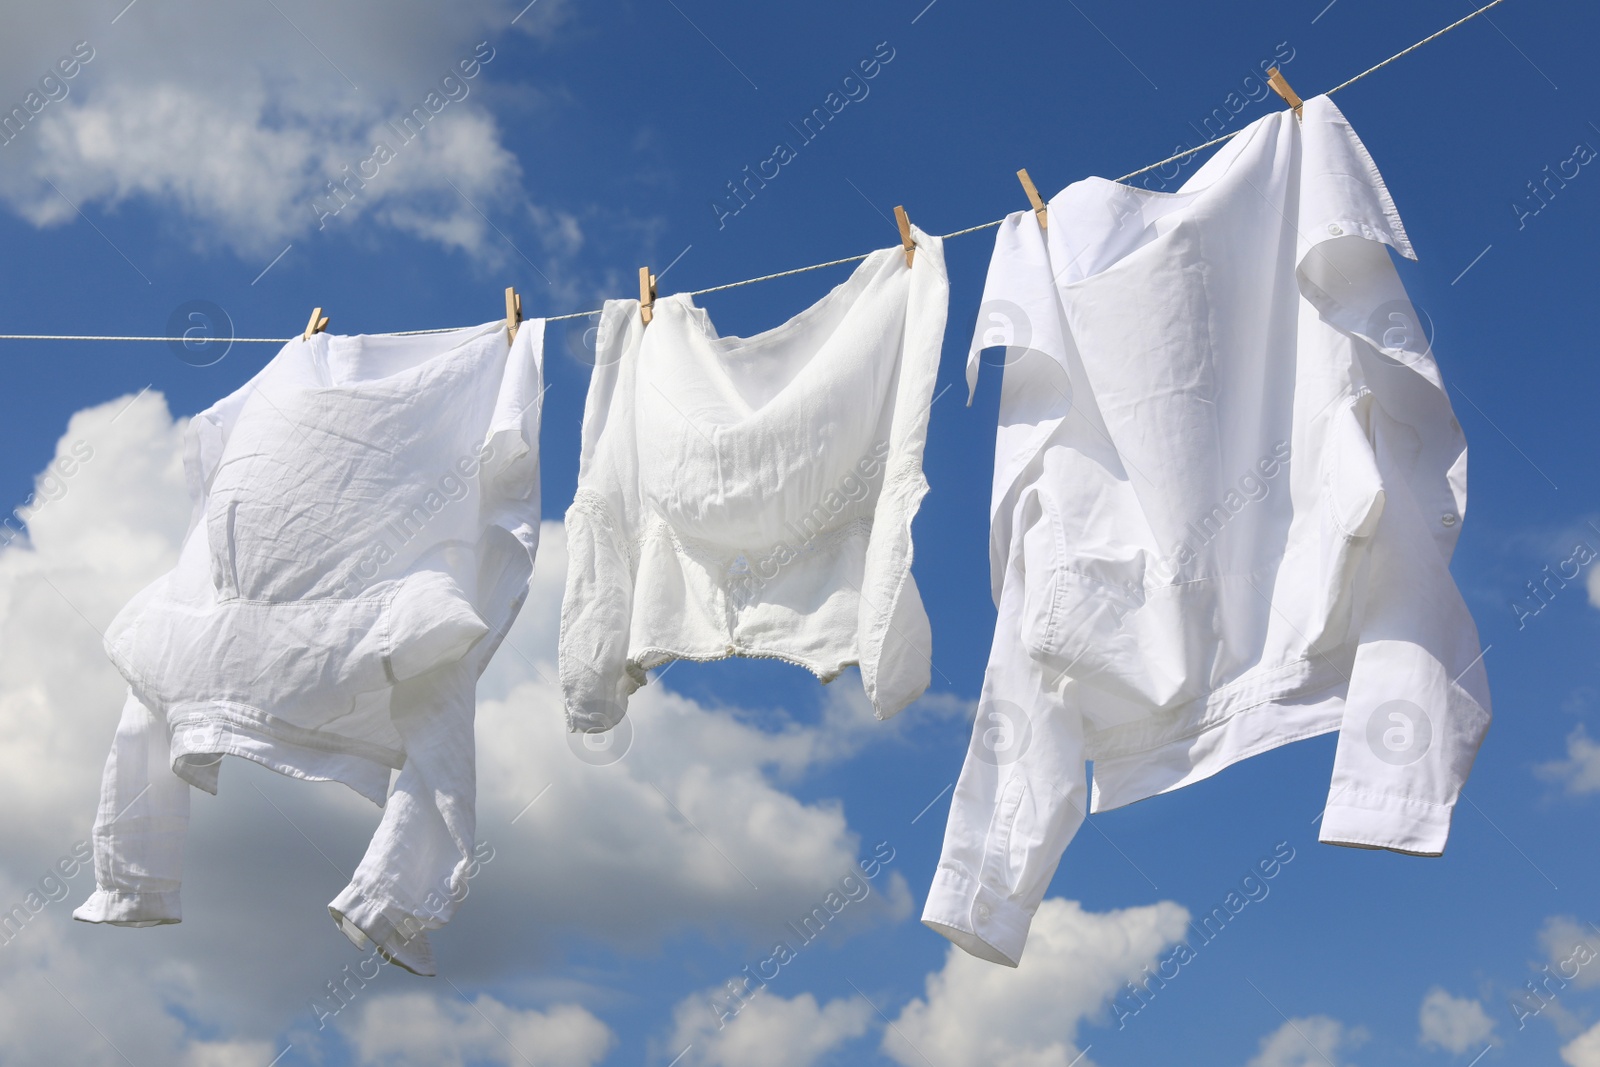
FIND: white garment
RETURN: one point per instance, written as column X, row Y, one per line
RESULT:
column 1228, row 484
column 366, row 516
column 754, row 496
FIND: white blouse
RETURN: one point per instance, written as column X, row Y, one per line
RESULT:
column 366, row 512
column 1228, row 483
column 754, row 496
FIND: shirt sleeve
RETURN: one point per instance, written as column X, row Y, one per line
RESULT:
column 139, row 828
column 1417, row 705
column 597, row 607
column 1020, row 799
column 511, row 445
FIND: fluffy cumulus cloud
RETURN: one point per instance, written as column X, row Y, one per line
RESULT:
column 424, row 1030
column 692, row 829
column 228, row 1054
column 1077, row 961
column 1583, row 1050
column 1572, row 949
column 1579, row 772
column 769, row 1031
column 1313, row 1041
column 235, row 120
column 1455, row 1024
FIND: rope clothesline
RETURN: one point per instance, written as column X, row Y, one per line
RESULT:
column 783, row 273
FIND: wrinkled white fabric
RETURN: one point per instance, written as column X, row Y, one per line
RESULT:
column 1228, row 483
column 366, row 512
column 754, row 496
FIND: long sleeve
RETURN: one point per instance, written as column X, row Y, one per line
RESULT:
column 1417, row 705
column 1418, row 702
column 1020, row 799
column 596, row 617
column 139, row 828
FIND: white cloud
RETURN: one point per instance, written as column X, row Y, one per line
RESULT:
column 1077, row 961
column 1579, row 773
column 1573, row 951
column 424, row 1030
column 1583, row 1050
column 237, row 142
column 1455, row 1024
column 630, row 854
column 770, row 1031
column 229, row 1054
column 1313, row 1041
column 98, row 534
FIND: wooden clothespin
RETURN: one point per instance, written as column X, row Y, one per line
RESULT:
column 513, row 313
column 318, row 323
column 647, row 294
column 904, row 223
column 1280, row 85
column 1034, row 198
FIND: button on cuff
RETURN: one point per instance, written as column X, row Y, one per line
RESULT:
column 977, row 919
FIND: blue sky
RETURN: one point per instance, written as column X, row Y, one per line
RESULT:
column 187, row 160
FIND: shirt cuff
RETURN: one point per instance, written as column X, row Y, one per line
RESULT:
column 977, row 919
column 1400, row 824
column 130, row 909
column 398, row 936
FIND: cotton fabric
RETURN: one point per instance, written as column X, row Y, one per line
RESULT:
column 754, row 496
column 1228, row 483
column 366, row 513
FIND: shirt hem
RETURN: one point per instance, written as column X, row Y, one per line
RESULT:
column 1307, row 704
column 227, row 728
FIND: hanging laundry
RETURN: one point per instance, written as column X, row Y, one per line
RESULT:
column 1228, row 483
column 366, row 512
column 754, row 496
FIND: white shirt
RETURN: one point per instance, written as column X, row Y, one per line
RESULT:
column 754, row 496
column 366, row 516
column 1228, row 484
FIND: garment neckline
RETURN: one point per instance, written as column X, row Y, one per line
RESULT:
column 699, row 319
column 1103, row 187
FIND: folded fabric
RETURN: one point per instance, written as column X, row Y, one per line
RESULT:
column 754, row 496
column 1228, row 483
column 366, row 512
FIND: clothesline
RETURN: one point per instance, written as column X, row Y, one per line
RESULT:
column 797, row 270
